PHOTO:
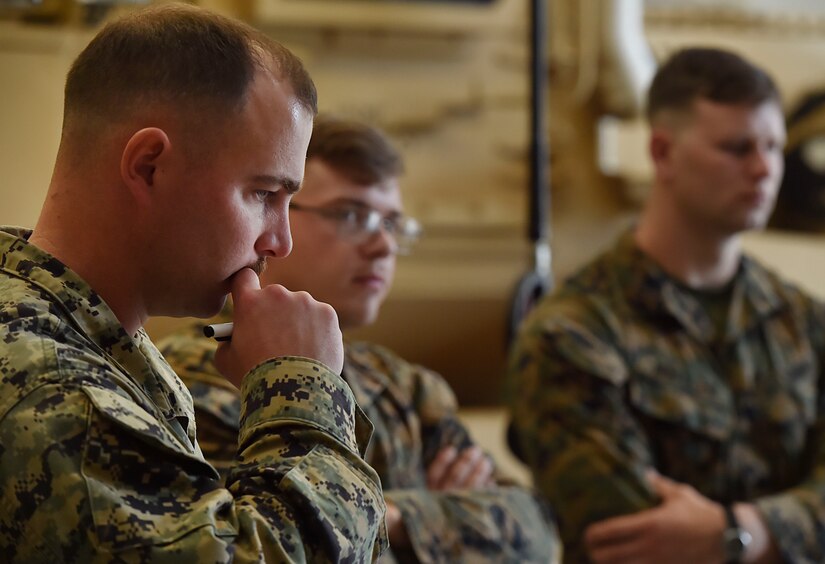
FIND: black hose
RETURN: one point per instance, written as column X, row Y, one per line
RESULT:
column 535, row 283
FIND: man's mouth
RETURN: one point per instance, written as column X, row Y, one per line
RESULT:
column 259, row 266
column 371, row 280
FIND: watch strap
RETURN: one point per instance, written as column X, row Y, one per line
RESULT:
column 730, row 517
column 736, row 538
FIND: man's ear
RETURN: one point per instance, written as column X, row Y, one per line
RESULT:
column 140, row 159
column 659, row 147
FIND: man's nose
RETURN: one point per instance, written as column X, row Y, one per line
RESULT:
column 761, row 163
column 276, row 240
column 381, row 243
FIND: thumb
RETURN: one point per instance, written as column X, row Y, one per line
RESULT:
column 244, row 281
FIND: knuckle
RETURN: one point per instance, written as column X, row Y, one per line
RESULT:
column 685, row 489
column 328, row 311
column 303, row 296
column 275, row 291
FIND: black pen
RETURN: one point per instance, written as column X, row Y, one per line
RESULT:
column 219, row 331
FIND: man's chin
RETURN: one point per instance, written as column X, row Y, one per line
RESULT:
column 755, row 223
column 207, row 309
column 357, row 319
column 733, row 225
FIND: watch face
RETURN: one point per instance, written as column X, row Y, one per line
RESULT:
column 736, row 540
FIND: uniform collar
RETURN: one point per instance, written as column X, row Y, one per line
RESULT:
column 135, row 357
column 753, row 297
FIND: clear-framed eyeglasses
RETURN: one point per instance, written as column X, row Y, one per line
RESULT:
column 358, row 223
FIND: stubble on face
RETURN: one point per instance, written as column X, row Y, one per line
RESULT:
column 259, row 266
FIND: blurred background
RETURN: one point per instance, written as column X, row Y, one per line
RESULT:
column 449, row 81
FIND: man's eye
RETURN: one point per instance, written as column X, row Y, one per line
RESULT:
column 737, row 149
column 264, row 195
column 350, row 216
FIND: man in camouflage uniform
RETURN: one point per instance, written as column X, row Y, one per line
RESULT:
column 669, row 397
column 348, row 227
column 184, row 137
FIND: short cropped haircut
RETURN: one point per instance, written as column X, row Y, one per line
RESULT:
column 362, row 153
column 711, row 74
column 181, row 56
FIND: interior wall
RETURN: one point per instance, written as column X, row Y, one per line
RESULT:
column 33, row 63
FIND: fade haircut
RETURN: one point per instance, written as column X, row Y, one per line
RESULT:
column 360, row 152
column 175, row 55
column 711, row 74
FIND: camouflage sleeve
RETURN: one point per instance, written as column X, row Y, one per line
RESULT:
column 796, row 517
column 436, row 407
column 587, row 453
column 300, row 492
column 498, row 524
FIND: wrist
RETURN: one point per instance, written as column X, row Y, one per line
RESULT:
column 735, row 538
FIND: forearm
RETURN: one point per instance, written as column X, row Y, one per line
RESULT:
column 794, row 519
column 494, row 524
column 587, row 482
column 139, row 491
column 762, row 549
column 298, row 437
column 289, row 454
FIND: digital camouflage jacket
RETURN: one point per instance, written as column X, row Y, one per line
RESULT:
column 98, row 457
column 413, row 411
column 622, row 369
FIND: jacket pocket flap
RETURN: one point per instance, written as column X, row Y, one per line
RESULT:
column 692, row 401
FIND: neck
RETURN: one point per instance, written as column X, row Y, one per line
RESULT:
column 699, row 257
column 89, row 242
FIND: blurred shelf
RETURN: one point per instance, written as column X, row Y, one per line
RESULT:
column 364, row 15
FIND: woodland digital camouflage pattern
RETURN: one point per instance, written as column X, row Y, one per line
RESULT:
column 98, row 457
column 622, row 370
column 413, row 411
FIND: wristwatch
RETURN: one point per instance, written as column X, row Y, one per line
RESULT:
column 735, row 538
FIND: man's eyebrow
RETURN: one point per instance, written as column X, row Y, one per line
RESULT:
column 348, row 202
column 291, row 186
column 355, row 203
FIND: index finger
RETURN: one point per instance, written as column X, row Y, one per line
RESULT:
column 617, row 529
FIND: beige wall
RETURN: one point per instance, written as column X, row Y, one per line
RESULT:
column 33, row 63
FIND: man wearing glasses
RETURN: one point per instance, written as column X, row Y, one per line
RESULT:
column 348, row 227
